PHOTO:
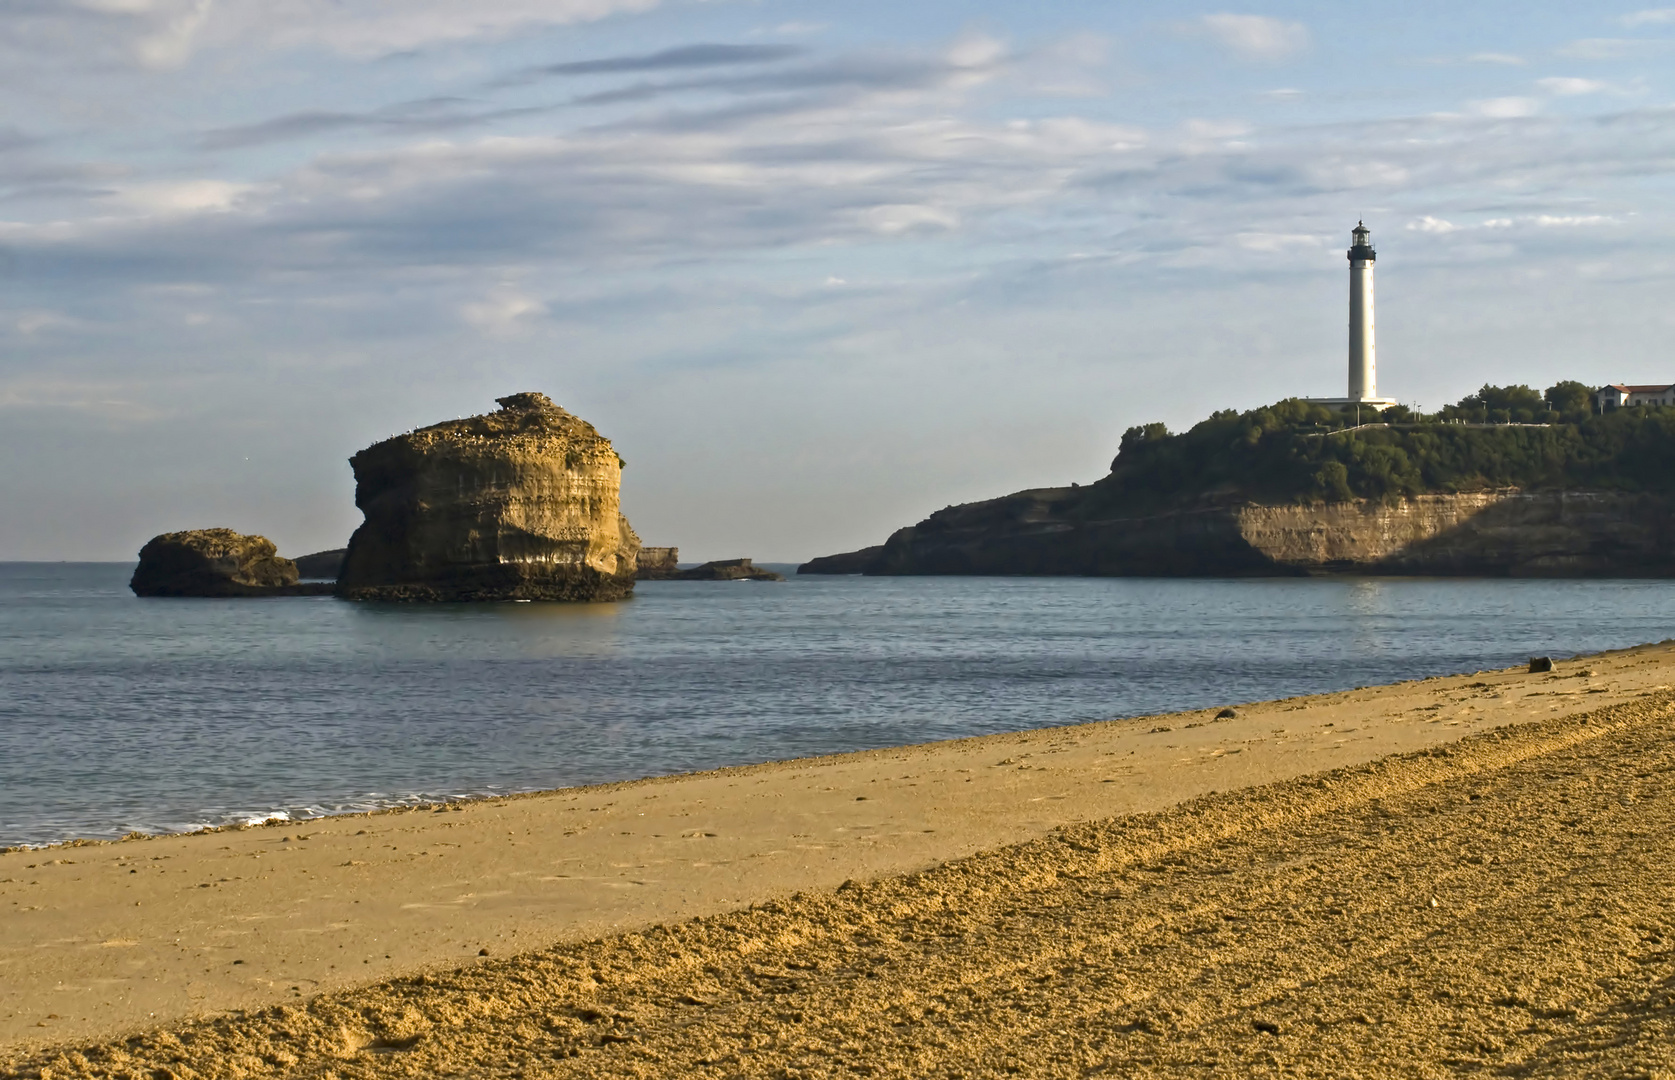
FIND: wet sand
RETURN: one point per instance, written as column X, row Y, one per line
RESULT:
column 1008, row 916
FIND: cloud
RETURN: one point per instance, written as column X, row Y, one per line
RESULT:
column 1503, row 59
column 186, row 196
column 893, row 220
column 792, row 29
column 674, row 59
column 1271, row 242
column 504, row 313
column 1649, row 17
column 166, row 33
column 848, row 152
column 1570, row 87
column 428, row 115
column 1613, row 48
column 1572, row 221
column 1256, row 37
column 786, row 88
column 1504, row 108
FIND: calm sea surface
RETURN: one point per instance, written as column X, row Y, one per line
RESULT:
column 120, row 714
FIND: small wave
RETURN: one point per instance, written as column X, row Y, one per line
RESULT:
column 48, row 834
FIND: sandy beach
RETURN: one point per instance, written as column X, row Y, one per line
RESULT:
column 1455, row 874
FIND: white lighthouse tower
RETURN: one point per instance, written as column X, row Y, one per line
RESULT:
column 1363, row 352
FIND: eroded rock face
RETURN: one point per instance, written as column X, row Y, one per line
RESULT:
column 213, row 562
column 1484, row 533
column 520, row 504
column 657, row 563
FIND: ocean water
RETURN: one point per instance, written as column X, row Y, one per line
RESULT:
column 120, row 714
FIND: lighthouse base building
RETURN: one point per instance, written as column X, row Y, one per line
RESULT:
column 1363, row 354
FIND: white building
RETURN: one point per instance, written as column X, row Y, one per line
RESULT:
column 1616, row 396
column 1363, row 350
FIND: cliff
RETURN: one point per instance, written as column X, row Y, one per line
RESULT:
column 1486, row 533
column 215, row 562
column 657, row 563
column 519, row 504
column 1295, row 488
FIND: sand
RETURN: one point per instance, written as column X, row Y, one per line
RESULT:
column 1061, row 902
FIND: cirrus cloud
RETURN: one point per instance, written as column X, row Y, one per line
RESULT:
column 1256, row 37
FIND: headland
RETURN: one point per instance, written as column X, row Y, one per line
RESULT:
column 1549, row 489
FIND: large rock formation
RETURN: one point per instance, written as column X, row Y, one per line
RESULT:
column 520, row 504
column 657, row 563
column 215, row 562
column 1487, row 533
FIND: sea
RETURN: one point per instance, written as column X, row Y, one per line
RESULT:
column 120, row 714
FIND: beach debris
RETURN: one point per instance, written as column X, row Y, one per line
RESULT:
column 1540, row 663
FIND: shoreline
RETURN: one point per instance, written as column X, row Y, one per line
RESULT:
column 419, row 804
column 113, row 937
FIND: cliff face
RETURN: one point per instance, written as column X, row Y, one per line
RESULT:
column 520, row 504
column 321, row 565
column 657, row 563
column 1498, row 533
column 214, row 562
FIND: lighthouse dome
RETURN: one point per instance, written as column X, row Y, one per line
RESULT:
column 1361, row 243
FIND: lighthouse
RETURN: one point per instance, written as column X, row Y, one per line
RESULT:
column 1363, row 353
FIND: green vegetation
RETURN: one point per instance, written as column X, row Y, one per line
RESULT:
column 1499, row 437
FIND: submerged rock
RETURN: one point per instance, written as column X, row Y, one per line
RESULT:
column 520, row 504
column 728, row 570
column 657, row 563
column 215, row 562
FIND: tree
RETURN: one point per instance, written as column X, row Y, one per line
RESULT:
column 1499, row 405
column 1142, row 433
column 1573, row 401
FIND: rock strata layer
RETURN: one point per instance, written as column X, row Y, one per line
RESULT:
column 519, row 504
column 1510, row 533
column 657, row 563
column 215, row 562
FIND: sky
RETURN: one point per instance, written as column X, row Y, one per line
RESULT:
column 816, row 269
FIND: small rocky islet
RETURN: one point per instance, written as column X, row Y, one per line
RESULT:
column 217, row 562
column 523, row 503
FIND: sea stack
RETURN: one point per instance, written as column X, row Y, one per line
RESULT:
column 214, row 562
column 519, row 504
